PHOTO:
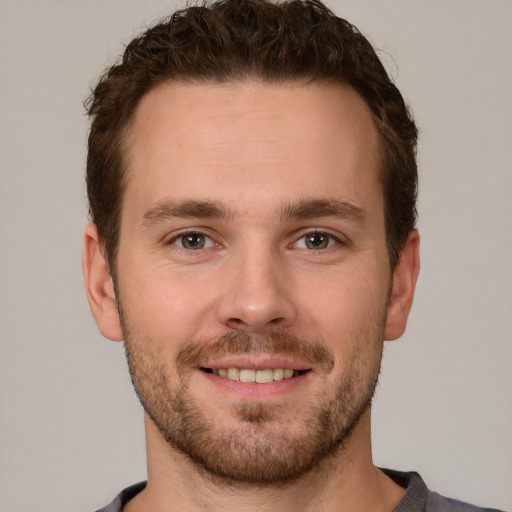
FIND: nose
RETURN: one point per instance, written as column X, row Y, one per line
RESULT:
column 256, row 294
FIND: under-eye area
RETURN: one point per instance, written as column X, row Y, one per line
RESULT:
column 260, row 376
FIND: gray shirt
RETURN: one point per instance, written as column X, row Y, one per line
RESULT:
column 417, row 497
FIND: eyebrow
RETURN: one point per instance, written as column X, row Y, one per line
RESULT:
column 166, row 210
column 302, row 209
column 310, row 208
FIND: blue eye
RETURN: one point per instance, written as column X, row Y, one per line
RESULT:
column 193, row 241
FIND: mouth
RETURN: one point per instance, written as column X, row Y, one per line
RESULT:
column 248, row 375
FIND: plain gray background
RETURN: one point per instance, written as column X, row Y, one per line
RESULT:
column 71, row 433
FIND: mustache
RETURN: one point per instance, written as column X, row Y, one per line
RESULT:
column 197, row 353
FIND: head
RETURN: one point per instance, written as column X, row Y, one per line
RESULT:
column 252, row 181
column 234, row 41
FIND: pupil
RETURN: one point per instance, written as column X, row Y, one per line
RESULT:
column 316, row 241
column 193, row 241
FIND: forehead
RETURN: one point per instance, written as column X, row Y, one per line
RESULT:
column 251, row 143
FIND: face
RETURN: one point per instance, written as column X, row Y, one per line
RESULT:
column 253, row 279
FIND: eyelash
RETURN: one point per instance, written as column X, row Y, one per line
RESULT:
column 332, row 240
column 181, row 236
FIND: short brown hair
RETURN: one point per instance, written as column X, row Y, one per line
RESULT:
column 233, row 40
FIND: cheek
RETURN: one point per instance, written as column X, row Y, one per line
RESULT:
column 346, row 304
column 163, row 304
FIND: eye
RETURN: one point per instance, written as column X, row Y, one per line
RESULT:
column 193, row 241
column 316, row 240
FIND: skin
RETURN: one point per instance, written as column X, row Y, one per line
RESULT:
column 256, row 150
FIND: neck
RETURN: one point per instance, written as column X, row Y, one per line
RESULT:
column 347, row 481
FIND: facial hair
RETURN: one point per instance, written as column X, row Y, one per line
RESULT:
column 260, row 450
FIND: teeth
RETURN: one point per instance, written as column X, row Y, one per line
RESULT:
column 233, row 373
column 278, row 374
column 247, row 376
column 260, row 376
column 263, row 376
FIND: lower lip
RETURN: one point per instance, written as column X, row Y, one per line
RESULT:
column 254, row 390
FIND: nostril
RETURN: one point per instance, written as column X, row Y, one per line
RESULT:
column 236, row 323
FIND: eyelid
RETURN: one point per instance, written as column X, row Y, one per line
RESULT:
column 337, row 237
column 199, row 231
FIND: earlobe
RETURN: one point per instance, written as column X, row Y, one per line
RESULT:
column 405, row 276
column 99, row 286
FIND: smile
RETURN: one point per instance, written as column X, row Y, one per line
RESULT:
column 259, row 376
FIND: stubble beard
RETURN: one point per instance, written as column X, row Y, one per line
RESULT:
column 260, row 450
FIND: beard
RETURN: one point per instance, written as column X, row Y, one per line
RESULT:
column 261, row 450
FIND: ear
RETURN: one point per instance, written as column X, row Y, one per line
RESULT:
column 402, row 291
column 99, row 286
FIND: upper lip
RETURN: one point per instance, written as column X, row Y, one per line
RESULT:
column 254, row 362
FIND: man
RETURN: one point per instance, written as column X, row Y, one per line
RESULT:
column 252, row 182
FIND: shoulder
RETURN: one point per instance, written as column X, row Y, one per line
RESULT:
column 419, row 498
column 438, row 503
column 117, row 504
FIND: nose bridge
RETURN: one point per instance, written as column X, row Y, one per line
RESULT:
column 256, row 295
